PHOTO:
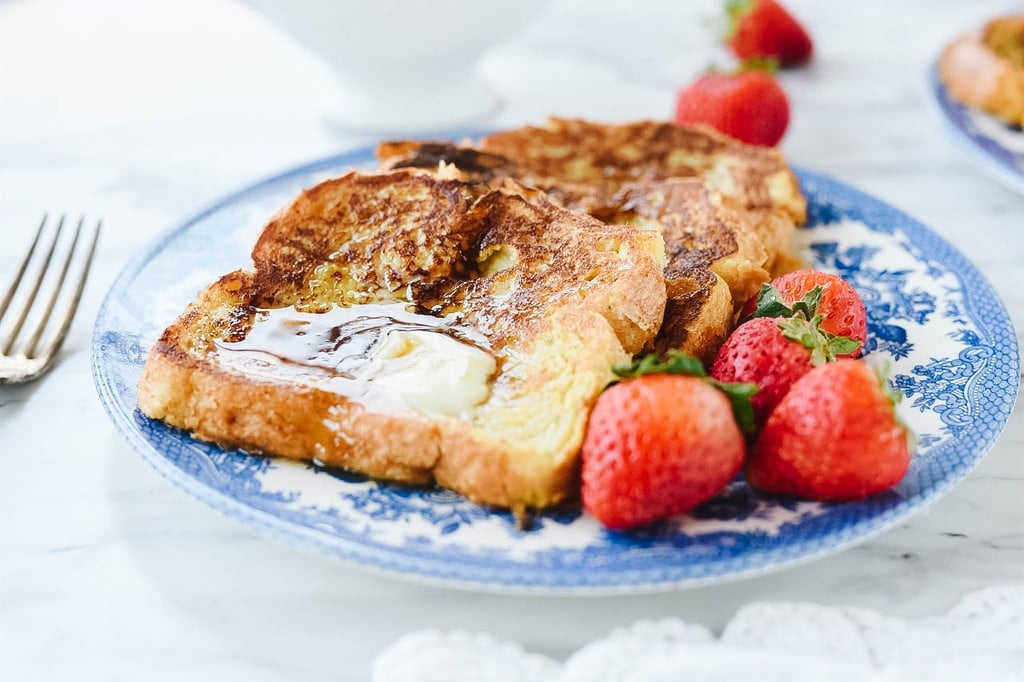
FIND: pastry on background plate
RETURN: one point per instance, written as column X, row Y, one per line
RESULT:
column 985, row 69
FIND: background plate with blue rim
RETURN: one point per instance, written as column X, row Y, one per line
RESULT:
column 932, row 317
column 996, row 147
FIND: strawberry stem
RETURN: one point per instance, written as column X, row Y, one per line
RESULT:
column 802, row 323
column 739, row 396
column 767, row 64
column 677, row 362
column 734, row 10
column 892, row 394
column 895, row 397
column 771, row 304
column 824, row 347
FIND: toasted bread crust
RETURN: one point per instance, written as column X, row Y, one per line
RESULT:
column 585, row 162
column 683, row 225
column 569, row 298
column 724, row 208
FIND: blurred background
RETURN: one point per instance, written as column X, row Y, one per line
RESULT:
column 208, row 93
column 176, row 101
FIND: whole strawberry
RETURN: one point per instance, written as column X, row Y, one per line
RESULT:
column 749, row 105
column 773, row 354
column 835, row 436
column 764, row 29
column 659, row 444
column 840, row 306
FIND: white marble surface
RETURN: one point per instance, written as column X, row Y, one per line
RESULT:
column 143, row 112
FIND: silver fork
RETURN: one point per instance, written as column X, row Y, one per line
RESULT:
column 24, row 359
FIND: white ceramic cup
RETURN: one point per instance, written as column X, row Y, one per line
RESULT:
column 404, row 65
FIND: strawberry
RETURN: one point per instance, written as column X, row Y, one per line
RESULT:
column 835, row 436
column 764, row 29
column 839, row 304
column 660, row 442
column 748, row 105
column 774, row 353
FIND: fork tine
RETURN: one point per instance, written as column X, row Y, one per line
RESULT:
column 16, row 329
column 30, row 347
column 65, row 324
column 21, row 270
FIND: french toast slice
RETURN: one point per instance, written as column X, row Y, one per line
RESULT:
column 416, row 327
column 588, row 161
column 715, row 261
column 582, row 164
column 727, row 210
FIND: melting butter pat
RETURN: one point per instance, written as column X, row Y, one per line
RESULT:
column 380, row 355
column 430, row 372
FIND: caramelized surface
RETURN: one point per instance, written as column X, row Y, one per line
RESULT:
column 555, row 297
column 725, row 209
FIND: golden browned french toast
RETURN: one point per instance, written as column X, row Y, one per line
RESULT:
column 714, row 261
column 589, row 161
column 417, row 327
column 581, row 164
column 985, row 68
column 727, row 210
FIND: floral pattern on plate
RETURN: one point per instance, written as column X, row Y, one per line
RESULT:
column 933, row 320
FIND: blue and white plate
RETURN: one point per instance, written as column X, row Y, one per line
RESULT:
column 997, row 147
column 932, row 317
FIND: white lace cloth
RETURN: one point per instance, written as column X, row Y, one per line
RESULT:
column 982, row 638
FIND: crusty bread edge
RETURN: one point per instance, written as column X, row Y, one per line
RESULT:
column 308, row 424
